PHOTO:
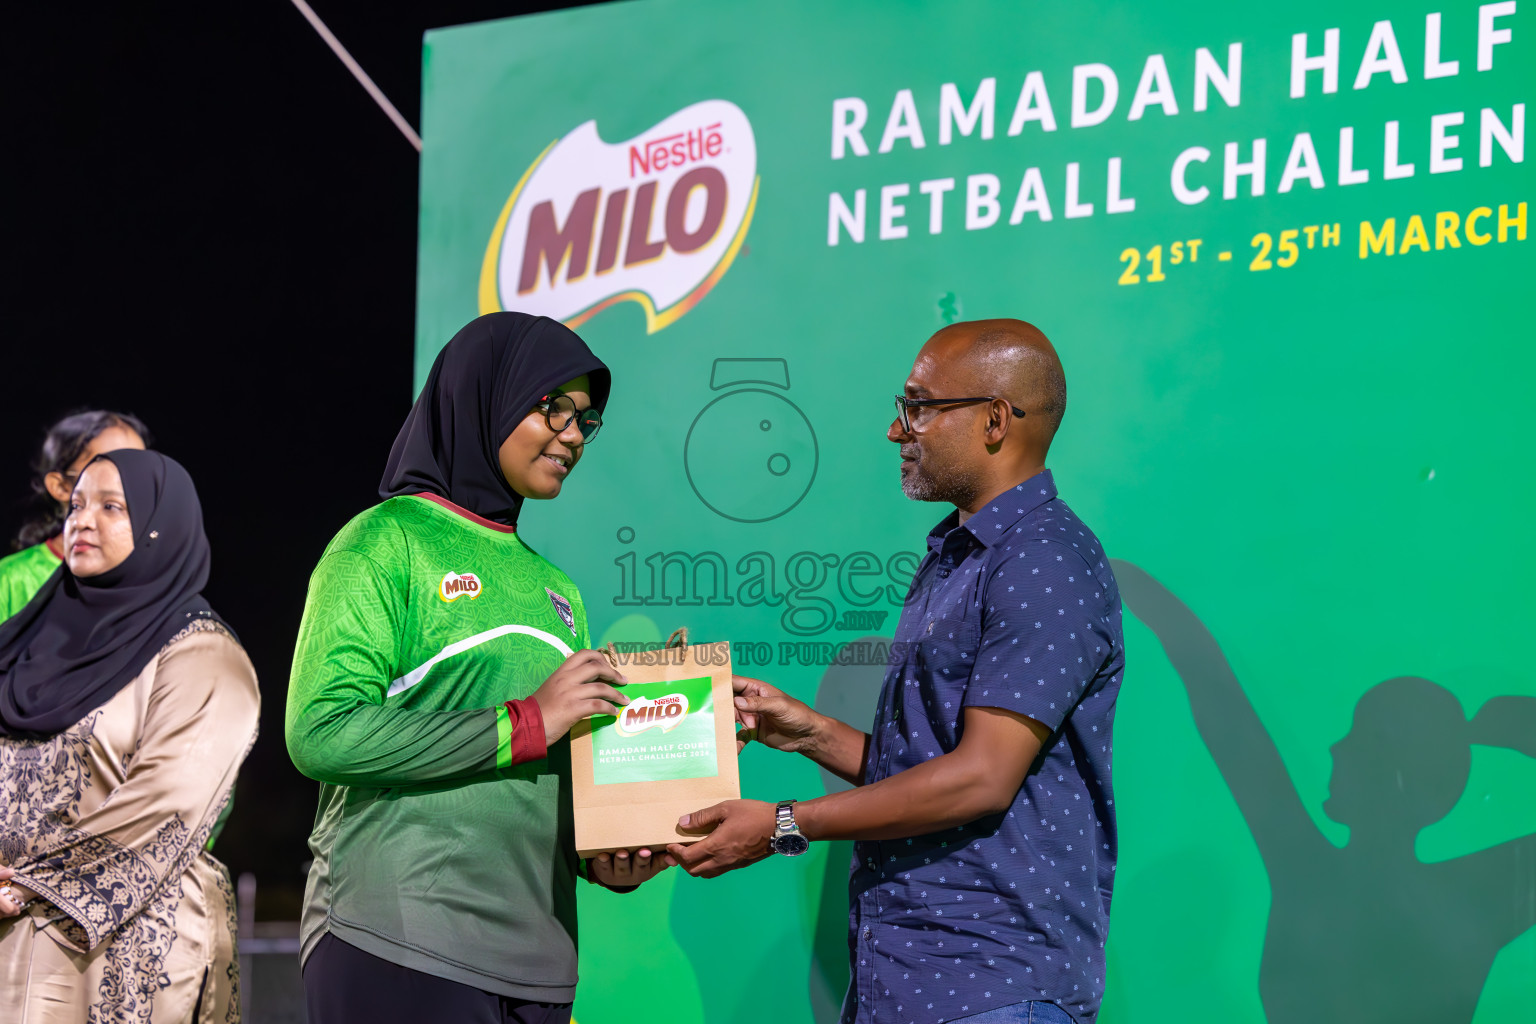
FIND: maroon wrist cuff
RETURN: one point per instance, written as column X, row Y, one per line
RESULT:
column 527, row 730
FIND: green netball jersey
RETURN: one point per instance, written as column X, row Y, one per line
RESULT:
column 23, row 575
column 431, row 849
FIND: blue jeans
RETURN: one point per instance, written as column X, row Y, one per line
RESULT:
column 1020, row 1013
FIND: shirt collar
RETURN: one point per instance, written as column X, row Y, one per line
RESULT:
column 998, row 516
column 942, row 529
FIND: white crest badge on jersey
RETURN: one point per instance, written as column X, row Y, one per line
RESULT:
column 563, row 609
column 459, row 584
column 656, row 219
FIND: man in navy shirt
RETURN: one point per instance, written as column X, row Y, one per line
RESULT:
column 982, row 810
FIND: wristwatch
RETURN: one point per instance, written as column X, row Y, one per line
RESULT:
column 786, row 838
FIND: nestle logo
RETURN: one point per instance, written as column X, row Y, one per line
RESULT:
column 457, row 585
column 675, row 150
column 662, row 713
column 656, row 218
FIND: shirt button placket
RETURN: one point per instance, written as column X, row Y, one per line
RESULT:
column 866, row 966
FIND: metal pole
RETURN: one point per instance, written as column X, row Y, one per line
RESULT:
column 358, row 73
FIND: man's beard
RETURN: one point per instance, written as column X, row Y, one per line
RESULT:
column 920, row 485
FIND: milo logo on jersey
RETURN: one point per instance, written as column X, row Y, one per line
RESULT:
column 664, row 713
column 456, row 585
column 656, row 219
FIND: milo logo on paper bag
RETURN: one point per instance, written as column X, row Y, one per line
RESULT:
column 656, row 219
column 664, row 713
column 666, row 731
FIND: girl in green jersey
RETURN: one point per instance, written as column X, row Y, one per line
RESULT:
column 439, row 666
column 71, row 443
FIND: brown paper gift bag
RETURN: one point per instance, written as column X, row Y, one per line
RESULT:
column 670, row 751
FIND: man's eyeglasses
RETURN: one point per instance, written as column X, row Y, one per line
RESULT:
column 559, row 409
column 903, row 404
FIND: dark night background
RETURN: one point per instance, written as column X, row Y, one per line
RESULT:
column 210, row 224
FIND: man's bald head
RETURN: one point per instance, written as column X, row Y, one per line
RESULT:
column 1011, row 359
column 966, row 452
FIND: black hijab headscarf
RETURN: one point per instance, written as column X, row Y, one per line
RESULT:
column 483, row 383
column 82, row 639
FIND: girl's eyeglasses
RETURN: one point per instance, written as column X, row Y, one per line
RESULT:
column 559, row 409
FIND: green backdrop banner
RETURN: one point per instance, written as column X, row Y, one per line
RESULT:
column 1284, row 253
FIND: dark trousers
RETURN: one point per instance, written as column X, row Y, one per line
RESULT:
column 344, row 985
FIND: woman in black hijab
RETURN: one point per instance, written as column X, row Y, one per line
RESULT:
column 439, row 666
column 126, row 708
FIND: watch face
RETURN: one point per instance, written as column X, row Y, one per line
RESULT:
column 791, row 845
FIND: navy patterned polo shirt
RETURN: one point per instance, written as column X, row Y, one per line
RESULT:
column 1016, row 609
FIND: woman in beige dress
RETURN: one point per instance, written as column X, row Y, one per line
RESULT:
column 126, row 707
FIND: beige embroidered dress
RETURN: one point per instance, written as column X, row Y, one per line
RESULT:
column 135, row 920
